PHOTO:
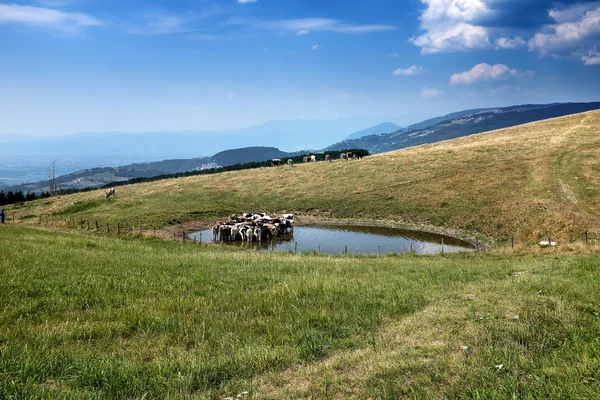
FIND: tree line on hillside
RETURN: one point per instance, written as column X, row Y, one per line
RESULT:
column 19, row 197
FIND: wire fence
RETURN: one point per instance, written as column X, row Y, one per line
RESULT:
column 144, row 230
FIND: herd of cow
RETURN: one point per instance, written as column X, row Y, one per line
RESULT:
column 252, row 227
column 277, row 162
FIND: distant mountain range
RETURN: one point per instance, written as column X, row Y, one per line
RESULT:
column 385, row 127
column 462, row 124
column 450, row 126
column 96, row 177
column 290, row 135
column 26, row 159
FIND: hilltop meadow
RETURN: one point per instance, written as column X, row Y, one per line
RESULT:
column 89, row 314
column 529, row 182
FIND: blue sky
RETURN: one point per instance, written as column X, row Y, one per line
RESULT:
column 70, row 66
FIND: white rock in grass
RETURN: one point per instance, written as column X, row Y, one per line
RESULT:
column 516, row 317
column 464, row 348
column 499, row 366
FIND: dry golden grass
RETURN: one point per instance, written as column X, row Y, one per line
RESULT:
column 529, row 181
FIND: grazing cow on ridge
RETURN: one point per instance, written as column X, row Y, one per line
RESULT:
column 112, row 192
column 327, row 158
column 276, row 162
column 290, row 163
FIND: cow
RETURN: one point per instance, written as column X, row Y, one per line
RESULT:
column 304, row 159
column 327, row 158
column 272, row 230
column 225, row 233
column 312, row 158
column 112, row 192
column 344, row 156
column 276, row 162
column 290, row 163
column 215, row 231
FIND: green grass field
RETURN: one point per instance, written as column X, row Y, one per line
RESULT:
column 91, row 316
column 88, row 314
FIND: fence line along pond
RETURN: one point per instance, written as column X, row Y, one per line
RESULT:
column 338, row 239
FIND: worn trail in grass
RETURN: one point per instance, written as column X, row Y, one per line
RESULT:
column 92, row 316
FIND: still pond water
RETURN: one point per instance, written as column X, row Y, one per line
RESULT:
column 334, row 239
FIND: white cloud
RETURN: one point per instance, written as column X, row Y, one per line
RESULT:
column 246, row 1
column 430, row 93
column 576, row 30
column 45, row 17
column 507, row 43
column 459, row 37
column 591, row 58
column 394, row 55
column 316, row 47
column 484, row 72
column 302, row 32
column 451, row 25
column 412, row 70
column 323, row 24
column 567, row 33
column 454, row 10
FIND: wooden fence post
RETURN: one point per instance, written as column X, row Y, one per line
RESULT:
column 512, row 241
column 442, row 245
column 97, row 225
column 118, row 228
column 586, row 237
column 107, row 227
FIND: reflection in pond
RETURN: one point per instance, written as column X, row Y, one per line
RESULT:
column 336, row 239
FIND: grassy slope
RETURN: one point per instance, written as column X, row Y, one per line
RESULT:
column 92, row 316
column 530, row 181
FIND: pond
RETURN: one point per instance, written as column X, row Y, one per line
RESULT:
column 337, row 239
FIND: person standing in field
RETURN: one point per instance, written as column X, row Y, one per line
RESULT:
column 1, row 216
